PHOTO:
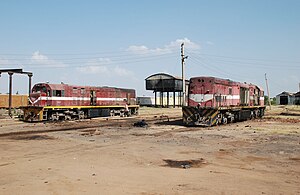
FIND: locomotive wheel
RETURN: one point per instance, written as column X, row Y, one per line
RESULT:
column 54, row 117
column 252, row 115
column 259, row 114
column 224, row 120
column 80, row 115
column 112, row 113
column 217, row 121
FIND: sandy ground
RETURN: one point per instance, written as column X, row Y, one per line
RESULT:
column 110, row 156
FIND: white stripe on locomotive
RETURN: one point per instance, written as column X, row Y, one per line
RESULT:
column 207, row 97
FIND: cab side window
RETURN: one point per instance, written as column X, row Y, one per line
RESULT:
column 58, row 93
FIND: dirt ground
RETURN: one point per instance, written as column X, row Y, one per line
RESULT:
column 111, row 156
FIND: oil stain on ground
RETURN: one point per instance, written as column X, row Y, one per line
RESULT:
column 185, row 164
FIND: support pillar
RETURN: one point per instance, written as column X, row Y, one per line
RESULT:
column 29, row 90
column 155, row 98
column 180, row 100
column 10, row 94
column 168, row 99
column 161, row 99
column 174, row 100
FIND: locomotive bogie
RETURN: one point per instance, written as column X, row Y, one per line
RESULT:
column 195, row 116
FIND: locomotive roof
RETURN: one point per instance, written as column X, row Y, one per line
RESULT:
column 260, row 88
column 214, row 78
column 62, row 86
column 227, row 80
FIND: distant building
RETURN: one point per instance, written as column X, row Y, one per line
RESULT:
column 285, row 98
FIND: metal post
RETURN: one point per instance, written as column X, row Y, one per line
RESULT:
column 174, row 99
column 168, row 99
column 161, row 99
column 155, row 99
column 10, row 94
column 29, row 90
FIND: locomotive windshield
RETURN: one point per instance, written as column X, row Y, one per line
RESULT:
column 40, row 89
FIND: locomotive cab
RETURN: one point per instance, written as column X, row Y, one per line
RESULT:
column 36, row 97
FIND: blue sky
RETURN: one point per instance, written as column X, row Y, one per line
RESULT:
column 120, row 43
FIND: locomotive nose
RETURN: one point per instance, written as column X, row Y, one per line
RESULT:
column 34, row 98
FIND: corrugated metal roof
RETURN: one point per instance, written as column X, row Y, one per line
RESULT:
column 286, row 93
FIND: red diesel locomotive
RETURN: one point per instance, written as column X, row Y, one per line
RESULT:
column 213, row 101
column 64, row 102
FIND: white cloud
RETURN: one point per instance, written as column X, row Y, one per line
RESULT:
column 104, row 66
column 39, row 59
column 122, row 72
column 36, row 56
column 138, row 49
column 93, row 69
column 187, row 44
column 169, row 48
column 95, row 66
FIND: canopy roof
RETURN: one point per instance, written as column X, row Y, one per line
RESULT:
column 163, row 82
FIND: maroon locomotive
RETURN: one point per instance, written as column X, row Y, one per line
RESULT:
column 213, row 101
column 62, row 101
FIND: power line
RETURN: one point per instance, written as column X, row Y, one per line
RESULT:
column 112, row 55
column 62, row 64
column 214, row 68
column 251, row 64
column 241, row 58
column 90, row 53
column 87, row 60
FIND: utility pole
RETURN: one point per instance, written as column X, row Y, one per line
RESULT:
column 268, row 90
column 183, row 79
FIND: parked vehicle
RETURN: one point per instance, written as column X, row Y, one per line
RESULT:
column 66, row 102
column 214, row 101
